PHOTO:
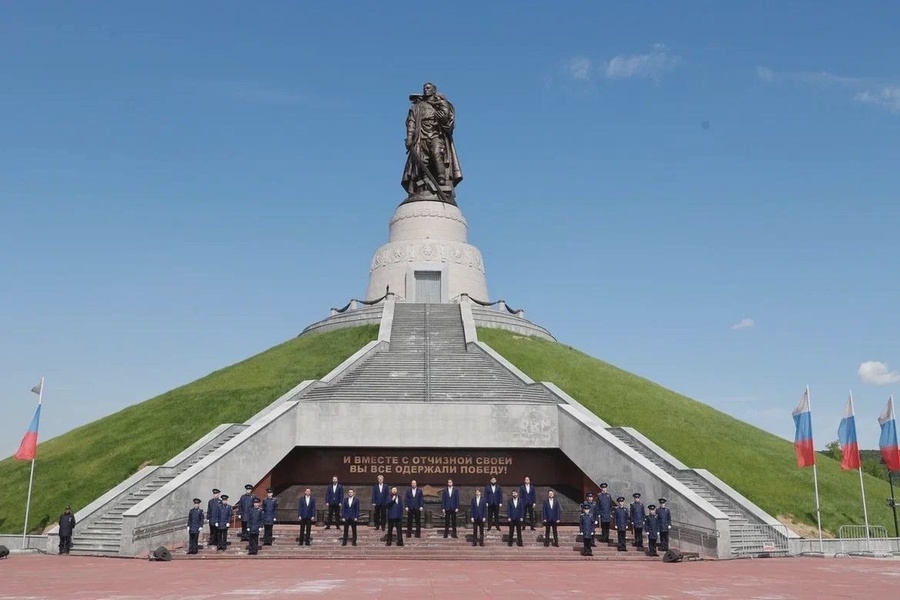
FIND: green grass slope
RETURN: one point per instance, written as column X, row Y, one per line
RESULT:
column 77, row 467
column 761, row 466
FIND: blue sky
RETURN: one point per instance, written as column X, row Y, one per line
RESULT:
column 705, row 195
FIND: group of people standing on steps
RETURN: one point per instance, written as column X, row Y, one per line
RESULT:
column 255, row 514
column 655, row 521
column 389, row 509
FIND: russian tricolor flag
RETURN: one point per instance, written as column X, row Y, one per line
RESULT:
column 803, row 439
column 888, row 442
column 28, row 447
column 847, row 438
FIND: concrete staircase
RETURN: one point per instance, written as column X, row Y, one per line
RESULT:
column 428, row 360
column 738, row 517
column 326, row 544
column 102, row 534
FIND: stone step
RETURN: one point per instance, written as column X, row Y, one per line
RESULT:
column 92, row 551
column 432, row 545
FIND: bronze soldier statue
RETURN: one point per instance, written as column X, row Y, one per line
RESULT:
column 432, row 169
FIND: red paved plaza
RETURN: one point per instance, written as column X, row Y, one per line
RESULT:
column 75, row 577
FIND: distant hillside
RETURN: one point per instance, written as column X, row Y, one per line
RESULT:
column 77, row 467
column 758, row 464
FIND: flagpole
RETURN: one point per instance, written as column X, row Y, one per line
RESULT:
column 31, row 477
column 816, row 485
column 862, row 489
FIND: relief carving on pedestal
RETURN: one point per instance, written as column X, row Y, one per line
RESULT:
column 428, row 252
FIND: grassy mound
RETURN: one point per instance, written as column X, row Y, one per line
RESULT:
column 75, row 468
column 758, row 464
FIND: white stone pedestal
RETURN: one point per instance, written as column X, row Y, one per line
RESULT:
column 427, row 257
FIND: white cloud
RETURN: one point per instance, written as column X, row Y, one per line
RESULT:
column 745, row 323
column 580, row 68
column 810, row 77
column 645, row 66
column 765, row 73
column 884, row 95
column 888, row 98
column 874, row 372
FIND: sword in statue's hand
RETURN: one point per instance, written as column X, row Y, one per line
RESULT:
column 428, row 174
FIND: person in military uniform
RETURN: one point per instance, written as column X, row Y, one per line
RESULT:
column 195, row 525
column 620, row 518
column 665, row 524
column 254, row 524
column 586, row 528
column 589, row 499
column 349, row 515
column 651, row 524
column 637, row 520
column 478, row 511
column 604, row 512
column 550, row 514
column 394, row 517
column 493, row 497
column 211, row 507
column 270, row 512
column 306, row 512
column 515, row 515
column 223, row 516
column 245, row 503
column 66, row 527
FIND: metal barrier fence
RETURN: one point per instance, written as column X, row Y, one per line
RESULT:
column 757, row 539
column 857, row 539
column 159, row 533
column 692, row 538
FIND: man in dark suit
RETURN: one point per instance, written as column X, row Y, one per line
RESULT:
column 620, row 518
column 638, row 514
column 665, row 524
column 380, row 494
column 66, row 527
column 515, row 514
column 415, row 505
column 528, row 495
column 211, row 508
column 395, row 517
column 245, row 503
column 306, row 512
column 493, row 497
column 550, row 516
column 270, row 513
column 449, row 507
column 334, row 495
column 604, row 512
column 478, row 510
column 254, row 523
column 349, row 515
column 223, row 516
column 195, row 524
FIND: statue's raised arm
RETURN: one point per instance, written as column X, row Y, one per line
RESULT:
column 432, row 167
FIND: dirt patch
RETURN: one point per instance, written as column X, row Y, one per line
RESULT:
column 803, row 529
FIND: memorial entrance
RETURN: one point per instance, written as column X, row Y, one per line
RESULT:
column 357, row 468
